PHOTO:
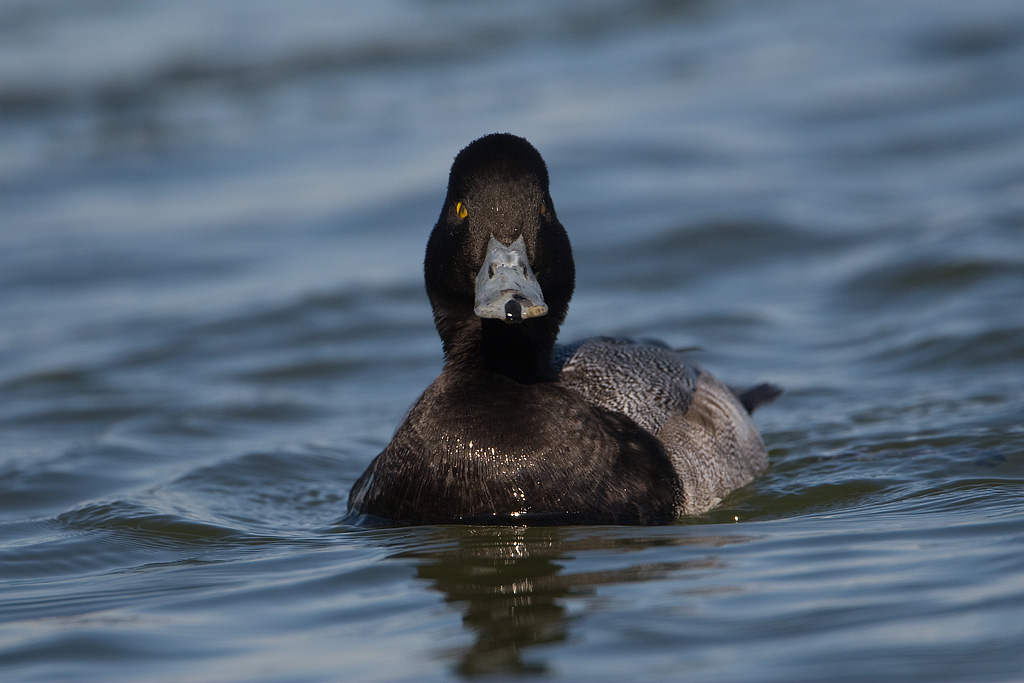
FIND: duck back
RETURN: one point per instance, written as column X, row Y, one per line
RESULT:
column 703, row 426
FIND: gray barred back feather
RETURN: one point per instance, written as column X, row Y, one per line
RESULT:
column 705, row 429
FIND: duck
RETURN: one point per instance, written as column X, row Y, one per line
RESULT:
column 520, row 430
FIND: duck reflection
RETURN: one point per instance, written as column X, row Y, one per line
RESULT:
column 512, row 587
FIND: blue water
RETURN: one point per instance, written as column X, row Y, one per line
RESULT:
column 212, row 221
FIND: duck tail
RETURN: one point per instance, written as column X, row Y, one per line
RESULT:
column 759, row 395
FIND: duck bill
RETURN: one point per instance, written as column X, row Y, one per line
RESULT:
column 506, row 288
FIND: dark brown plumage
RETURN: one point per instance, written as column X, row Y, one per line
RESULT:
column 518, row 431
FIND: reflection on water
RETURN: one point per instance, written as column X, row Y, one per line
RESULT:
column 513, row 590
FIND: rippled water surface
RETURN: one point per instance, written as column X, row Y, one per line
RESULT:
column 212, row 218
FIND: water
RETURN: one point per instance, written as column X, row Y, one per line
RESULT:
column 212, row 218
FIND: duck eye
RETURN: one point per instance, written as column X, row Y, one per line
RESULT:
column 460, row 210
column 543, row 208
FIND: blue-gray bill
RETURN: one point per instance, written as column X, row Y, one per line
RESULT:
column 506, row 288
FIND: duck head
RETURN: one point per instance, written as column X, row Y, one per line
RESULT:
column 499, row 270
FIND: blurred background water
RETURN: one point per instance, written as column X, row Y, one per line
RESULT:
column 212, row 218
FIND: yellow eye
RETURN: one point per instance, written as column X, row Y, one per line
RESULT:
column 460, row 210
column 543, row 208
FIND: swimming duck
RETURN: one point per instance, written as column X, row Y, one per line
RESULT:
column 517, row 430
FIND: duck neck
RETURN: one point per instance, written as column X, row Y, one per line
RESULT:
column 520, row 352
